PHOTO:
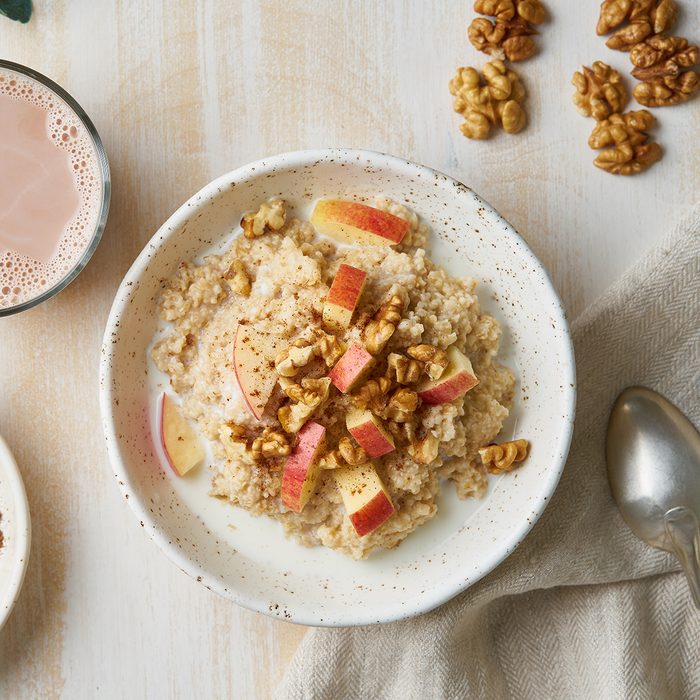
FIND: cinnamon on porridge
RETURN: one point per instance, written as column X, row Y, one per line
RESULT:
column 337, row 385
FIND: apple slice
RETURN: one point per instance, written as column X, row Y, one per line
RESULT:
column 302, row 469
column 351, row 368
column 343, row 296
column 457, row 379
column 253, row 360
column 370, row 433
column 181, row 445
column 352, row 222
column 365, row 498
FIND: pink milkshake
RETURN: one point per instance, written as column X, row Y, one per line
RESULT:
column 54, row 188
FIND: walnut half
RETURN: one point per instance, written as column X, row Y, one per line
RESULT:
column 503, row 458
column 600, row 91
column 271, row 216
column 629, row 150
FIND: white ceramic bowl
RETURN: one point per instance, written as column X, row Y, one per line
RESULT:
column 248, row 559
column 16, row 529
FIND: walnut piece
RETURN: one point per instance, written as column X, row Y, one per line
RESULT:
column 379, row 330
column 435, row 359
column 425, row 451
column 631, row 152
column 351, row 453
column 403, row 369
column 373, row 394
column 290, row 360
column 307, row 397
column 329, row 347
column 401, row 406
column 600, row 91
column 505, row 40
column 270, row 217
column 529, row 10
column 237, row 278
column 660, row 56
column 332, row 460
column 497, row 101
column 671, row 90
column 270, row 444
column 645, row 17
column 402, row 431
column 503, row 458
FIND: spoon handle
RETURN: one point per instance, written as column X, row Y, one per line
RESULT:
column 682, row 527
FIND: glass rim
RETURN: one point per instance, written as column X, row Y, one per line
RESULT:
column 103, row 166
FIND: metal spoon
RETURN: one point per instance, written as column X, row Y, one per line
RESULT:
column 653, row 455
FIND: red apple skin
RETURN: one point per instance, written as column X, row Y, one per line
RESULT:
column 372, row 515
column 370, row 434
column 457, row 380
column 351, row 368
column 301, row 469
column 357, row 222
column 347, row 287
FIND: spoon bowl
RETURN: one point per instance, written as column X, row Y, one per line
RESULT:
column 653, row 457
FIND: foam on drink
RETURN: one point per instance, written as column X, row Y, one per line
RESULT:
column 51, row 189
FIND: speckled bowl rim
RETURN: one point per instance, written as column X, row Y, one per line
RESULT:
column 20, row 533
column 260, row 169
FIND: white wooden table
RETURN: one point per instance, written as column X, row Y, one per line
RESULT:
column 182, row 92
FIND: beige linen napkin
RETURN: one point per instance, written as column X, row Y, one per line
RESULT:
column 582, row 609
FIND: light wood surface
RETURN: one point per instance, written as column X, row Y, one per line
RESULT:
column 182, row 92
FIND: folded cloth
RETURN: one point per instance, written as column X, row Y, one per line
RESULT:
column 582, row 609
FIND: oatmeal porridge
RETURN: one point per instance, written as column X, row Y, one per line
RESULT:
column 338, row 375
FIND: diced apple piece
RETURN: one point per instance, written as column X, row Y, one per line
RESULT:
column 457, row 379
column 253, row 358
column 343, row 296
column 365, row 498
column 302, row 469
column 351, row 368
column 181, row 445
column 352, row 222
column 370, row 433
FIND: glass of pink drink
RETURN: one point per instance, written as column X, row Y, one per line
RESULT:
column 54, row 188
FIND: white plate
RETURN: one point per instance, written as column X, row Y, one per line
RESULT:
column 248, row 559
column 16, row 529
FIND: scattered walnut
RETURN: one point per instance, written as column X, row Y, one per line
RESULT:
column 503, row 458
column 671, row 90
column 660, row 56
column 629, row 160
column 425, row 451
column 352, row 454
column 403, row 369
column 511, row 40
column 238, row 279
column 332, row 460
column 631, row 152
column 270, row 444
column 509, row 36
column 645, row 17
column 402, row 431
column 307, row 398
column 497, row 101
column 434, row 358
column 373, row 394
column 270, row 217
column 293, row 416
column 292, row 359
column 329, row 347
column 401, row 406
column 600, row 91
column 237, row 433
column 530, row 10
column 379, row 330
